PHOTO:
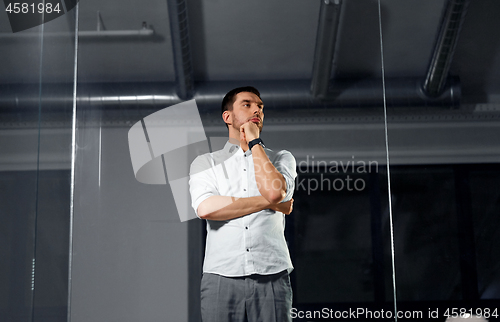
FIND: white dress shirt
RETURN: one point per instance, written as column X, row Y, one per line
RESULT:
column 254, row 243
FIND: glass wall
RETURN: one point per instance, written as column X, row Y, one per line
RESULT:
column 444, row 164
column 134, row 259
column 37, row 77
column 130, row 250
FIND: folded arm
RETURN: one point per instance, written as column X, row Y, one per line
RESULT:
column 226, row 208
column 270, row 181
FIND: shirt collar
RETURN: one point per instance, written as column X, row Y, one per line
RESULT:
column 232, row 148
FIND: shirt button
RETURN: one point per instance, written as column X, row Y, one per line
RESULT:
column 244, row 169
column 248, row 250
column 246, row 227
column 244, row 189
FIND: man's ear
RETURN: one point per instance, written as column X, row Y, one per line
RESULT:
column 226, row 117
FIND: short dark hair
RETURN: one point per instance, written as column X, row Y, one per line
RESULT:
column 228, row 101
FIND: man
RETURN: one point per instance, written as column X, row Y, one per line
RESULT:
column 244, row 196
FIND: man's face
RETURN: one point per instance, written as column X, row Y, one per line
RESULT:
column 247, row 107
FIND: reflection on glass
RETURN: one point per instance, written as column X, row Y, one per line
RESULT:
column 35, row 127
column 445, row 159
column 485, row 192
column 332, row 241
column 427, row 252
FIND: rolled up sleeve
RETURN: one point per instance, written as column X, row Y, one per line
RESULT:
column 286, row 165
column 201, row 181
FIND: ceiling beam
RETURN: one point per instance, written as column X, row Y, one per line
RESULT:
column 179, row 31
column 444, row 48
column 326, row 40
column 279, row 94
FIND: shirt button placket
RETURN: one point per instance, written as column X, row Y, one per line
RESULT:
column 246, row 224
column 245, row 177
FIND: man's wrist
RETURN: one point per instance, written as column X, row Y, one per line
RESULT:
column 250, row 139
column 254, row 142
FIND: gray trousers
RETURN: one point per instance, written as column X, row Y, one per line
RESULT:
column 254, row 298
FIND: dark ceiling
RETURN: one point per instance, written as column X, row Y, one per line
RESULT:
column 258, row 40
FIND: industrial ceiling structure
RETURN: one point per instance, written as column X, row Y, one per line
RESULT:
column 302, row 54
